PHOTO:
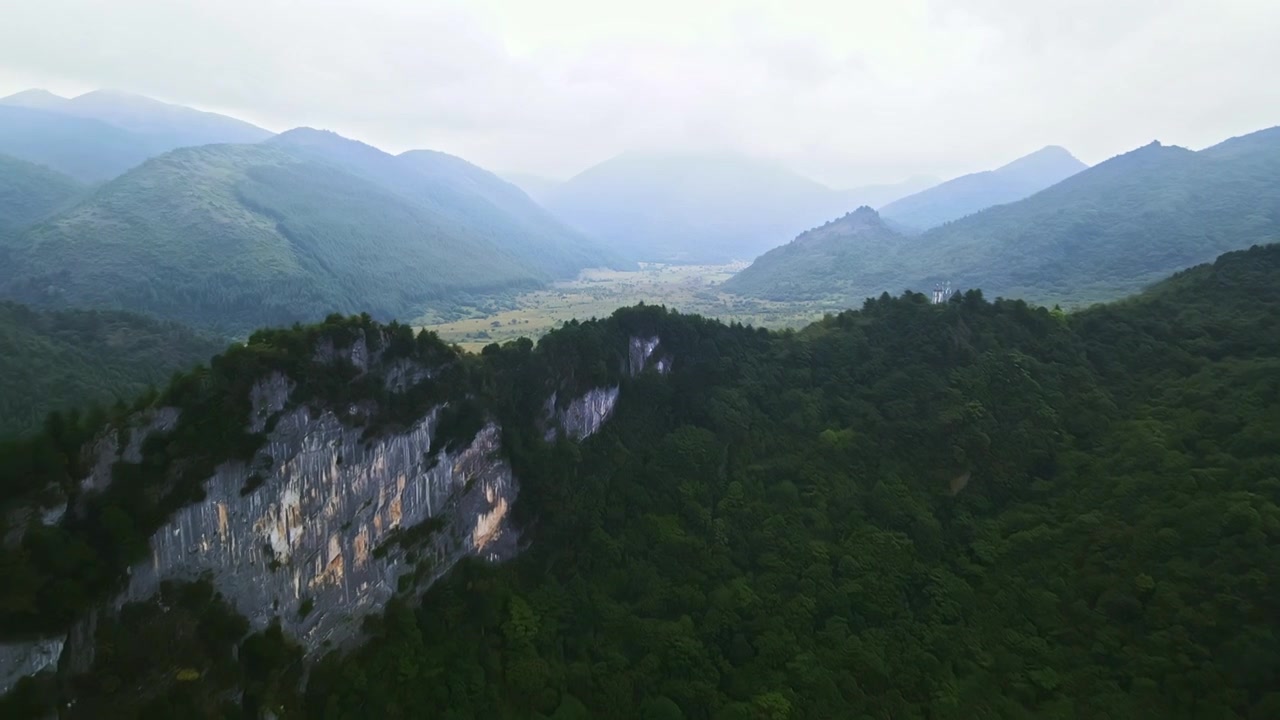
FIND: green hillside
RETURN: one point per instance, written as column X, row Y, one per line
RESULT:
column 912, row 511
column 492, row 199
column 231, row 237
column 831, row 262
column 1103, row 233
column 29, row 193
column 72, row 359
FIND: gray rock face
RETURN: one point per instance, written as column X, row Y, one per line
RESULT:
column 18, row 660
column 310, row 532
column 267, row 397
column 329, row 500
column 639, row 352
column 587, row 414
column 404, row 374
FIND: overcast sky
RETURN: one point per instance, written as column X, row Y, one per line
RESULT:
column 846, row 91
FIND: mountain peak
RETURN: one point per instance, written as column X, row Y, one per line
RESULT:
column 861, row 223
column 1050, row 158
column 37, row 98
column 968, row 194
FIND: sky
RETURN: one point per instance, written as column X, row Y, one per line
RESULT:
column 849, row 92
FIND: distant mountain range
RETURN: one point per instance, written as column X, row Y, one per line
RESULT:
column 1102, row 233
column 969, row 194
column 233, row 237
column 700, row 208
column 99, row 135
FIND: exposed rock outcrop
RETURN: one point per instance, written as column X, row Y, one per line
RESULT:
column 311, row 532
column 18, row 660
column 319, row 528
column 586, row 414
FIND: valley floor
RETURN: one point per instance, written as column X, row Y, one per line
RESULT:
column 597, row 293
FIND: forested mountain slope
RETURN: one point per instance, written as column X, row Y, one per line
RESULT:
column 30, row 192
column 969, row 194
column 464, row 195
column 68, row 360
column 909, row 511
column 1100, row 234
column 230, row 237
column 836, row 260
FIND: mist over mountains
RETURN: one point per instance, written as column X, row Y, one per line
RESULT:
column 238, row 480
column 1099, row 234
column 230, row 237
column 713, row 208
column 969, row 194
column 100, row 134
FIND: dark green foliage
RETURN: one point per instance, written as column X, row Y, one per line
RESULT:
column 29, row 193
column 410, row 537
column 57, row 571
column 173, row 656
column 185, row 654
column 912, row 511
column 974, row 509
column 234, row 237
column 73, row 359
column 1101, row 234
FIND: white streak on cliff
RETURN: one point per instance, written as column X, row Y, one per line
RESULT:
column 327, row 503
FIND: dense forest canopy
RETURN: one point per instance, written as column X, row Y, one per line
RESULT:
column 905, row 511
column 70, row 359
column 29, row 193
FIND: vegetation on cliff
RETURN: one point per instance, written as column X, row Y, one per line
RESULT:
column 909, row 510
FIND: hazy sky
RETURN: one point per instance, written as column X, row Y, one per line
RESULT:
column 846, row 91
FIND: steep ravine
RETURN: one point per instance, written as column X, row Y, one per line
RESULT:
column 308, row 533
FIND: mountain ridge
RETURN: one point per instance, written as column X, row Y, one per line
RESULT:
column 968, row 194
column 100, row 134
column 1099, row 234
column 230, row 237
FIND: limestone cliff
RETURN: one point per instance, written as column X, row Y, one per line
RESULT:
column 324, row 525
column 312, row 531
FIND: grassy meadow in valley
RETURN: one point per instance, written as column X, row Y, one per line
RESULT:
column 597, row 293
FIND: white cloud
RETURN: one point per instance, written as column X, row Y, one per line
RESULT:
column 847, row 90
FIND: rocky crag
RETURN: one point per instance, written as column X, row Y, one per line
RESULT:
column 324, row 525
